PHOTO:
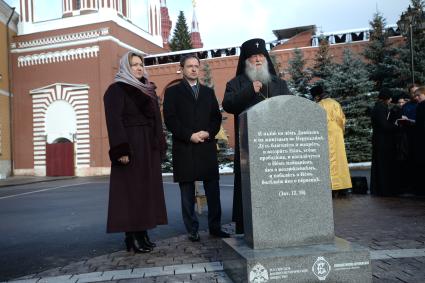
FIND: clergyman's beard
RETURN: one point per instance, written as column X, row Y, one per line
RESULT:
column 258, row 74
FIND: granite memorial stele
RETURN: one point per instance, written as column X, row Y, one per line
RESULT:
column 287, row 203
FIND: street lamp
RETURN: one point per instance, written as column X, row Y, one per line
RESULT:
column 413, row 18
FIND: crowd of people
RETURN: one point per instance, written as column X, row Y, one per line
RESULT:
column 192, row 115
column 398, row 124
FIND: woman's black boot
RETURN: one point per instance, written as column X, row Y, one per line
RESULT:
column 148, row 241
column 144, row 238
column 132, row 243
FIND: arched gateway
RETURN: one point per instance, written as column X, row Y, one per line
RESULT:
column 61, row 112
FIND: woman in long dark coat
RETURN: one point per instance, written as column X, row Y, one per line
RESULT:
column 383, row 147
column 136, row 196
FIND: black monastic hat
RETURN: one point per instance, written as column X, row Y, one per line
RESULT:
column 252, row 47
column 385, row 93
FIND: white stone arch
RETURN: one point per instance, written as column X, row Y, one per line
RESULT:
column 74, row 95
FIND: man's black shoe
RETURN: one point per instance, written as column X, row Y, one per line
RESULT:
column 239, row 228
column 194, row 237
column 220, row 234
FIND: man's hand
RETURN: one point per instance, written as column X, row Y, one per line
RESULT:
column 200, row 136
column 196, row 138
column 257, row 86
column 124, row 159
column 204, row 135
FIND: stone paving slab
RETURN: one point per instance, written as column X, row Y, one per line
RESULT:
column 403, row 253
column 63, row 278
column 33, row 280
column 92, row 277
column 211, row 266
column 398, row 270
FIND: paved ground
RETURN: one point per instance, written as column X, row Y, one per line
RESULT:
column 392, row 228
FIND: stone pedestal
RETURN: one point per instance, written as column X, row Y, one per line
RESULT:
column 339, row 261
column 287, row 202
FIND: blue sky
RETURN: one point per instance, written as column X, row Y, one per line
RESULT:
column 224, row 23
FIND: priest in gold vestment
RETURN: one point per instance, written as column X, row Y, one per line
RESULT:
column 340, row 174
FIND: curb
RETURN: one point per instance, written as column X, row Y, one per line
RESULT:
column 18, row 181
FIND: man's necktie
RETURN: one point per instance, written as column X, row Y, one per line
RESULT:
column 195, row 91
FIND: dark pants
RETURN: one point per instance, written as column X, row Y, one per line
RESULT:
column 212, row 192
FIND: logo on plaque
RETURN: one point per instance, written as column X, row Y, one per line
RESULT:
column 321, row 268
column 258, row 274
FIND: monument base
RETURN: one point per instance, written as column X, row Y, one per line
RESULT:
column 339, row 261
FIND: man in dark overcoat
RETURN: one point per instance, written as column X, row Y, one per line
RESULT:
column 382, row 171
column 419, row 188
column 192, row 115
column 255, row 81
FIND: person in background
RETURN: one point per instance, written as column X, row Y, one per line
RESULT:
column 409, row 108
column 340, row 174
column 137, row 144
column 396, row 111
column 382, row 171
column 255, row 81
column 401, row 185
column 408, row 123
column 419, row 188
column 192, row 115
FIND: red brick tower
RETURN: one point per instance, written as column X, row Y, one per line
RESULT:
column 195, row 35
column 165, row 24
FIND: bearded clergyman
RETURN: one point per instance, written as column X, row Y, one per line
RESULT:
column 255, row 81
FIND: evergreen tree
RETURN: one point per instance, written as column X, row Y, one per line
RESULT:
column 181, row 38
column 323, row 64
column 379, row 54
column 167, row 163
column 207, row 78
column 358, row 128
column 349, row 83
column 300, row 76
column 402, row 75
column 349, row 78
column 402, row 63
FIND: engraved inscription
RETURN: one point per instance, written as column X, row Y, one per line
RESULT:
column 284, row 272
column 289, row 157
